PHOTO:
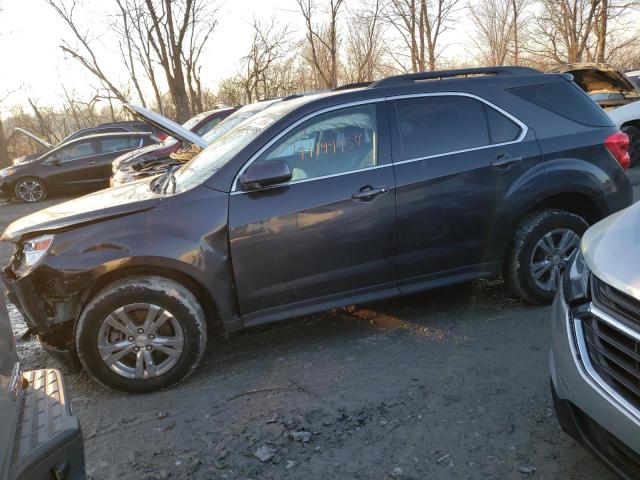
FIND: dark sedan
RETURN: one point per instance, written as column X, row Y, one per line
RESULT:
column 79, row 165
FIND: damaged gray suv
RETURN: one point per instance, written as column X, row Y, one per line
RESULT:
column 317, row 202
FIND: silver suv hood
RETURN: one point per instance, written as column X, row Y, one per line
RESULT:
column 611, row 249
column 169, row 127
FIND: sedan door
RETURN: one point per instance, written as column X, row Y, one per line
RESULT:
column 464, row 168
column 67, row 167
column 327, row 236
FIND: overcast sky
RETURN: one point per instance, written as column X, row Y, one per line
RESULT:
column 34, row 65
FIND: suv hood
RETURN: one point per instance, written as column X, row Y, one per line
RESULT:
column 112, row 202
column 611, row 249
column 169, row 127
column 600, row 77
column 33, row 136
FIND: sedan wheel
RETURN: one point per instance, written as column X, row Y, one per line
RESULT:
column 30, row 190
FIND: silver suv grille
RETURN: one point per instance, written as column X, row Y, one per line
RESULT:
column 615, row 351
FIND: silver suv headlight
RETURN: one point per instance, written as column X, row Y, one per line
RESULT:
column 576, row 280
column 31, row 251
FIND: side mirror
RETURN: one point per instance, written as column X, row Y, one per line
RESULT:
column 265, row 174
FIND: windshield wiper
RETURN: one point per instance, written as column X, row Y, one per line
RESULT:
column 161, row 183
column 170, row 180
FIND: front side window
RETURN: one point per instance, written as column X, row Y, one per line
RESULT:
column 76, row 151
column 332, row 143
column 441, row 124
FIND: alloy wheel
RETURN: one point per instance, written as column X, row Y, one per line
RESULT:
column 140, row 341
column 550, row 255
column 30, row 191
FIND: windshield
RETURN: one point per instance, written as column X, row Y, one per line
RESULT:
column 226, row 125
column 221, row 150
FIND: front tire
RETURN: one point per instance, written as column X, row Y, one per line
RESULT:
column 30, row 190
column 539, row 251
column 141, row 334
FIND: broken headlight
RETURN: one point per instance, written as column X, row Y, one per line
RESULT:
column 576, row 280
column 31, row 251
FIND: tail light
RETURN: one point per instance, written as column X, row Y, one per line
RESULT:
column 163, row 136
column 618, row 145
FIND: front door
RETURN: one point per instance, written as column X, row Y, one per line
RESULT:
column 321, row 238
column 463, row 170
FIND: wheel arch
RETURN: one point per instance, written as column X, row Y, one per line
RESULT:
column 202, row 294
column 579, row 203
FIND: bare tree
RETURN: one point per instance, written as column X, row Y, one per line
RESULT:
column 179, row 31
column 563, row 31
column 126, row 29
column 84, row 53
column 322, row 41
column 498, row 24
column 421, row 24
column 365, row 50
column 268, row 48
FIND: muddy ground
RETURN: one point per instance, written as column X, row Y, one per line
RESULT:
column 448, row 384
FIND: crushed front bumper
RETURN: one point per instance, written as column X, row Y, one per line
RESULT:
column 585, row 410
column 51, row 321
column 48, row 441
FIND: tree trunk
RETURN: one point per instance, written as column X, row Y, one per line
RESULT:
column 4, row 154
column 601, row 46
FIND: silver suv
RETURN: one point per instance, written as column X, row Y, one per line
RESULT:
column 595, row 352
column 40, row 438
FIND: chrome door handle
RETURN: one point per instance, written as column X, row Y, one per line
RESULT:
column 369, row 193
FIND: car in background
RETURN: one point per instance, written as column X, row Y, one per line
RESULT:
column 595, row 343
column 128, row 167
column 125, row 171
column 79, row 165
column 40, row 437
column 111, row 127
column 616, row 93
column 627, row 118
column 608, row 87
column 634, row 76
column 317, row 202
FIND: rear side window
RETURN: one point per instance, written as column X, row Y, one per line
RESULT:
column 109, row 145
column 565, row 99
column 501, row 128
column 441, row 124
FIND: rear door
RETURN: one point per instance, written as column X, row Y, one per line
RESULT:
column 463, row 166
column 319, row 239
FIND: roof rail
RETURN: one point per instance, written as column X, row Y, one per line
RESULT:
column 349, row 86
column 439, row 75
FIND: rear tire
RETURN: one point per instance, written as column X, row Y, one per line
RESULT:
column 634, row 144
column 30, row 190
column 141, row 334
column 539, row 251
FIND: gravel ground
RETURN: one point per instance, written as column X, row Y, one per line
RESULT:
column 447, row 384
